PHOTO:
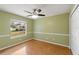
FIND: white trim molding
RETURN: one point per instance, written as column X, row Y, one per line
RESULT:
column 29, row 32
column 73, row 10
column 73, row 41
column 14, row 37
column 53, row 43
column 5, row 35
column 15, row 44
column 52, row 33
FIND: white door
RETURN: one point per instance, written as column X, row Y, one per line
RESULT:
column 74, row 42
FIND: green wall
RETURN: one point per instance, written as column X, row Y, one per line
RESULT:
column 5, row 19
column 58, row 24
column 54, row 24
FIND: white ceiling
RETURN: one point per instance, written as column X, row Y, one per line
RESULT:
column 48, row 9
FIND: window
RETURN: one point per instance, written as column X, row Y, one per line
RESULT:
column 17, row 27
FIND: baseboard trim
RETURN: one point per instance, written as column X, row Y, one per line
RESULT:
column 74, row 8
column 5, row 35
column 53, row 43
column 15, row 44
column 74, row 52
column 18, row 36
column 35, row 39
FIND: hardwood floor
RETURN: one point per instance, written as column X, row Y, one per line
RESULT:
column 34, row 47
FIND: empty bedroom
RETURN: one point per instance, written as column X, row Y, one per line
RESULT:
column 37, row 29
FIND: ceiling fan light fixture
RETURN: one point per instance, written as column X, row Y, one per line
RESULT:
column 34, row 16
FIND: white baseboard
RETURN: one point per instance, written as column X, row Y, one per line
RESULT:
column 15, row 44
column 34, row 39
column 18, row 36
column 53, row 43
column 74, row 52
column 6, row 35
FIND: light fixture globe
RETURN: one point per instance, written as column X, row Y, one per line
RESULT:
column 35, row 16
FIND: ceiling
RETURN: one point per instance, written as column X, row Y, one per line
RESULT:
column 48, row 9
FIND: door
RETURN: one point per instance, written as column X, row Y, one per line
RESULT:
column 74, row 42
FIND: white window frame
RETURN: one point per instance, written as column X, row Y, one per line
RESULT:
column 21, row 35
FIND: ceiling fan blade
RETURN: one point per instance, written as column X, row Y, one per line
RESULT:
column 34, row 11
column 29, row 15
column 27, row 11
column 39, row 10
column 41, row 15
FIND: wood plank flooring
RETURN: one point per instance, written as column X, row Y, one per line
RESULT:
column 34, row 47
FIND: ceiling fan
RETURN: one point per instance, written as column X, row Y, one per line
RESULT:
column 36, row 12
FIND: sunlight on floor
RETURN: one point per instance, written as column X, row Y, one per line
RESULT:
column 34, row 47
column 21, row 51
